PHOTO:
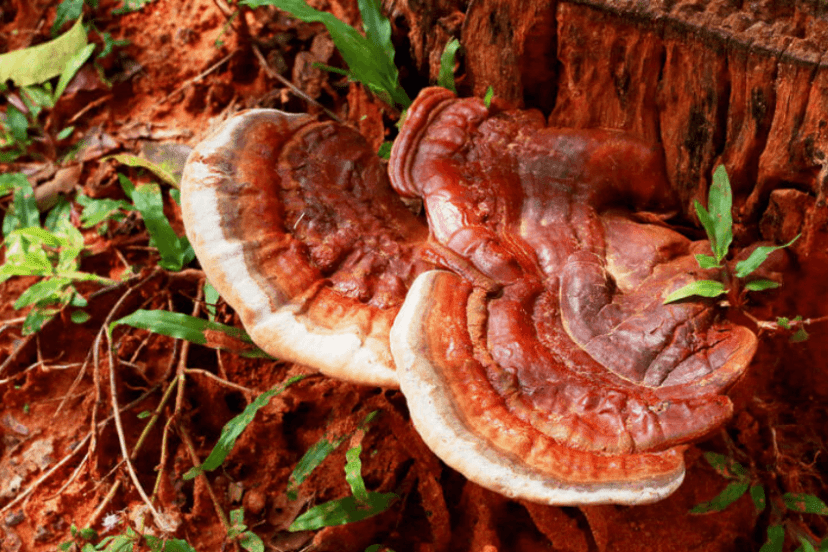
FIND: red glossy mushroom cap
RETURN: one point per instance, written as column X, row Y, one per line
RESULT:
column 566, row 368
column 295, row 225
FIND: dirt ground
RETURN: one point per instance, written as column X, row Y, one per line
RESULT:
column 187, row 67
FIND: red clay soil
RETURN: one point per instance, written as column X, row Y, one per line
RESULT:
column 187, row 67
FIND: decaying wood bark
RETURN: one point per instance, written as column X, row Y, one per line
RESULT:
column 714, row 81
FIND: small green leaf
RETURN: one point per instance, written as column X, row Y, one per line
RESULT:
column 251, row 542
column 757, row 494
column 385, row 150
column 785, row 322
column 18, row 123
column 805, row 503
column 40, row 236
column 130, row 6
column 60, row 214
column 806, row 545
column 37, row 318
column 487, row 99
column 96, row 211
column 237, row 526
column 761, row 285
column 353, row 474
column 135, row 161
column 728, row 496
column 144, row 415
column 800, row 335
column 702, row 288
column 66, row 132
column 759, row 256
column 706, row 261
column 720, row 204
column 46, row 291
column 776, row 539
column 342, row 511
column 68, row 10
column 234, row 428
column 70, row 70
column 37, row 97
column 79, row 316
column 42, row 62
column 447, row 61
column 23, row 212
column 9, row 182
column 211, row 297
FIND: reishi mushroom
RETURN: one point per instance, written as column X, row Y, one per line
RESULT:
column 295, row 225
column 538, row 359
column 575, row 371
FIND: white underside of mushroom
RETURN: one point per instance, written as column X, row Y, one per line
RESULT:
column 436, row 419
column 275, row 324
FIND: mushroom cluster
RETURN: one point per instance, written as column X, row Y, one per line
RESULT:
column 523, row 320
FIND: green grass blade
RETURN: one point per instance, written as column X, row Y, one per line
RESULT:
column 312, row 459
column 728, row 496
column 447, row 60
column 342, row 511
column 377, row 28
column 194, row 330
column 702, row 288
column 234, row 428
column 148, row 201
column 759, row 256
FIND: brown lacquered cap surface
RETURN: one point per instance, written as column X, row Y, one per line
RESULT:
column 296, row 226
column 568, row 348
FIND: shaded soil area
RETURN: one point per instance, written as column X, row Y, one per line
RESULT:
column 186, row 68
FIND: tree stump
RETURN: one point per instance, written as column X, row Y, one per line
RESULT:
column 714, row 83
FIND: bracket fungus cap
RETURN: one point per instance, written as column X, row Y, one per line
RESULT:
column 567, row 368
column 295, row 225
